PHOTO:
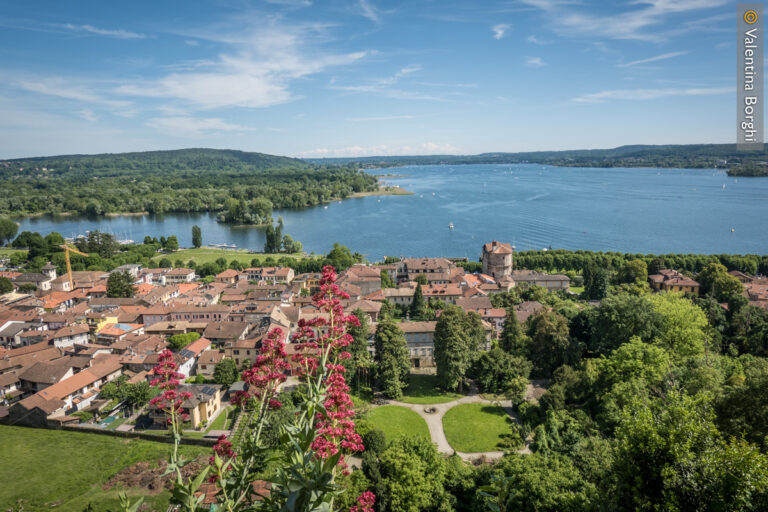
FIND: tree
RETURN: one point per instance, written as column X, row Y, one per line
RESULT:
column 496, row 371
column 618, row 318
column 137, row 394
column 412, row 476
column 670, row 456
column 551, row 344
column 539, row 483
column 225, row 372
column 8, row 230
column 340, row 257
column 422, row 279
column 596, row 282
column 392, row 358
column 179, row 341
column 456, row 341
column 634, row 271
column 270, row 242
column 358, row 349
column 54, row 241
column 386, row 281
column 416, row 309
column 172, row 243
column 99, row 243
column 33, row 242
column 718, row 283
column 197, row 236
column 5, row 285
column 165, row 263
column 120, row 284
column 682, row 326
column 513, row 339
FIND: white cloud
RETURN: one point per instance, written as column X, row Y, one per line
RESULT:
column 663, row 56
column 632, row 24
column 368, row 10
column 192, row 42
column 650, row 94
column 87, row 114
column 118, row 34
column 499, row 30
column 78, row 93
column 535, row 40
column 384, row 87
column 425, row 148
column 267, row 57
column 534, row 62
column 186, row 126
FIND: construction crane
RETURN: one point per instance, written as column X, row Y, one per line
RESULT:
column 69, row 265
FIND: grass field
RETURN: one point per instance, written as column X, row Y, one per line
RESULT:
column 209, row 255
column 576, row 289
column 64, row 471
column 422, row 389
column 475, row 427
column 396, row 421
column 6, row 252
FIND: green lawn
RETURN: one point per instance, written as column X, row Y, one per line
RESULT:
column 221, row 422
column 6, row 252
column 398, row 421
column 476, row 427
column 576, row 289
column 61, row 470
column 209, row 255
column 422, row 389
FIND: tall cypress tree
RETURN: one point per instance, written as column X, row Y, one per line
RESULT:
column 455, row 342
column 513, row 339
column 197, row 236
column 417, row 304
column 392, row 358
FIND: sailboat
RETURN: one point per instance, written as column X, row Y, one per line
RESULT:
column 450, row 226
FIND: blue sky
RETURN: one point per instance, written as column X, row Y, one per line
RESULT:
column 364, row 77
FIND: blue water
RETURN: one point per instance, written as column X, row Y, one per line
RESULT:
column 532, row 206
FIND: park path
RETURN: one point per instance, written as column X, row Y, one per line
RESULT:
column 434, row 420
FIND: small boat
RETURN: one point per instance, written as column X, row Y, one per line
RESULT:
column 325, row 207
column 723, row 186
column 450, row 226
column 732, row 230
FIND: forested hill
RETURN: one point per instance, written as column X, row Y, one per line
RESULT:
column 690, row 156
column 194, row 159
column 186, row 180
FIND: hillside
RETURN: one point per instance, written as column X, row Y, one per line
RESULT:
column 185, row 180
column 193, row 159
column 689, row 156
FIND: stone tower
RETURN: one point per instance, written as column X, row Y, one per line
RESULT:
column 497, row 259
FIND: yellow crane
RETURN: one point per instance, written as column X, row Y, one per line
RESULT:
column 69, row 265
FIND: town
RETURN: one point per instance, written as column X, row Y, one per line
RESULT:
column 63, row 342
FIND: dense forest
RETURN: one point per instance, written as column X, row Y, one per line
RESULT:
column 244, row 186
column 695, row 156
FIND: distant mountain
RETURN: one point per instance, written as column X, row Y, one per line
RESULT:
column 691, row 156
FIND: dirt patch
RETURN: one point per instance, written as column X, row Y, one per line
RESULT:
column 151, row 477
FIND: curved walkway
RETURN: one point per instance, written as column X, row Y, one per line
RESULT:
column 435, row 423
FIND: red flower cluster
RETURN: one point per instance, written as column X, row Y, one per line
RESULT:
column 267, row 372
column 325, row 335
column 167, row 379
column 366, row 502
column 223, row 448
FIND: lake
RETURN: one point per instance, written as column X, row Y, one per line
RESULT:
column 532, row 206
